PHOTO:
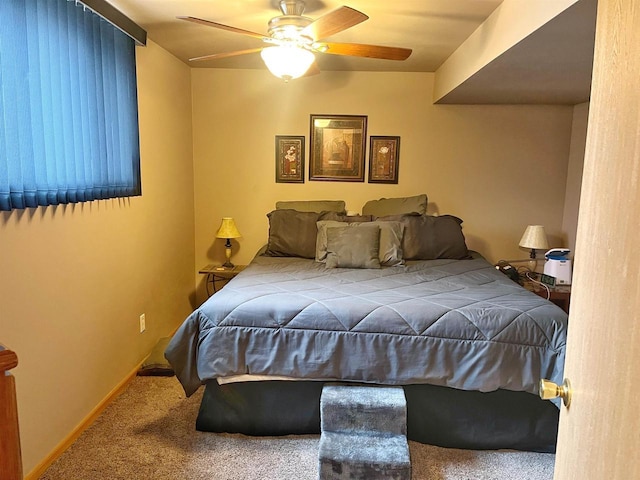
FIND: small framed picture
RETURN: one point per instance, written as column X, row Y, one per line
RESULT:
column 338, row 143
column 289, row 159
column 384, row 157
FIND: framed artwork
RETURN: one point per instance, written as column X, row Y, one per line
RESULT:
column 384, row 156
column 338, row 143
column 289, row 159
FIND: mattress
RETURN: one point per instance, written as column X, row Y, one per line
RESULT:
column 451, row 323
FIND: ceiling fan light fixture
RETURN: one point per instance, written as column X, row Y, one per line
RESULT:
column 287, row 62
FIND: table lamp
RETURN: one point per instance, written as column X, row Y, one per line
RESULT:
column 228, row 230
column 534, row 238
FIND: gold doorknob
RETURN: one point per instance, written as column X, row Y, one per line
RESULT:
column 549, row 390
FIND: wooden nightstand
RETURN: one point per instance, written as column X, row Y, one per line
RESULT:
column 560, row 294
column 218, row 273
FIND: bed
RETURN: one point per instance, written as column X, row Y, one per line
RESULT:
column 468, row 344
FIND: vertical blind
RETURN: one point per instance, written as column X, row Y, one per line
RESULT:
column 68, row 106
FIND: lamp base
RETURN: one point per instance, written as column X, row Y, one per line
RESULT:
column 533, row 261
column 227, row 252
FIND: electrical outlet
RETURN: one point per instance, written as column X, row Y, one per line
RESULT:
column 143, row 323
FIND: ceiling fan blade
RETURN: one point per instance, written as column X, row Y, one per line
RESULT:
column 209, row 23
column 334, row 22
column 217, row 56
column 369, row 51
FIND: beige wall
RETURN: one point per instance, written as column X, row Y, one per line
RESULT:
column 499, row 168
column 74, row 279
column 574, row 176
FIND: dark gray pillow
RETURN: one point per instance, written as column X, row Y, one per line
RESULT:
column 293, row 233
column 357, row 218
column 353, row 247
column 428, row 237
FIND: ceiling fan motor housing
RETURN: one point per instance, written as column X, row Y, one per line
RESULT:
column 292, row 7
column 289, row 28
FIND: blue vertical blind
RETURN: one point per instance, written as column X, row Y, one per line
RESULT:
column 68, row 106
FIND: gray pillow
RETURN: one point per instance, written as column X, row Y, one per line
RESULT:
column 396, row 206
column 353, row 247
column 428, row 237
column 293, row 233
column 357, row 218
column 313, row 206
column 390, row 249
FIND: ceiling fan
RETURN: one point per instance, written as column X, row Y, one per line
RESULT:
column 293, row 39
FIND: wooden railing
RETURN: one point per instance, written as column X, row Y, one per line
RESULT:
column 10, row 457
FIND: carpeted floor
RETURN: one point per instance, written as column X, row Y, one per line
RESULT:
column 148, row 433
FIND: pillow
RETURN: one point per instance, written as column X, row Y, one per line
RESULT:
column 353, row 247
column 396, row 206
column 293, row 233
column 390, row 245
column 427, row 237
column 357, row 218
column 313, row 206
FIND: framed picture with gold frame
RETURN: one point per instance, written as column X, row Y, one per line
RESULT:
column 384, row 157
column 338, row 144
column 289, row 159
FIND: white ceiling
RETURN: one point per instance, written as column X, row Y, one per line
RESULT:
column 433, row 29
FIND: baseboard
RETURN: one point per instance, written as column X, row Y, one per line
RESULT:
column 82, row 426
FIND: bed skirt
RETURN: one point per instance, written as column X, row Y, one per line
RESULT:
column 438, row 416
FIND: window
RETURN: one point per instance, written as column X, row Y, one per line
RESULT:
column 68, row 106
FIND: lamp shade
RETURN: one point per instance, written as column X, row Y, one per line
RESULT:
column 534, row 238
column 287, row 62
column 228, row 229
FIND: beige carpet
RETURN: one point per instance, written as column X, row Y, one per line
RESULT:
column 148, row 433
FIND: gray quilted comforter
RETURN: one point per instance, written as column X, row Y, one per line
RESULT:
column 454, row 323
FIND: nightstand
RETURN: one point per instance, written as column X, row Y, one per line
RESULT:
column 560, row 294
column 219, row 274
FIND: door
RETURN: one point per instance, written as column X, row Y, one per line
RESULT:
column 599, row 436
